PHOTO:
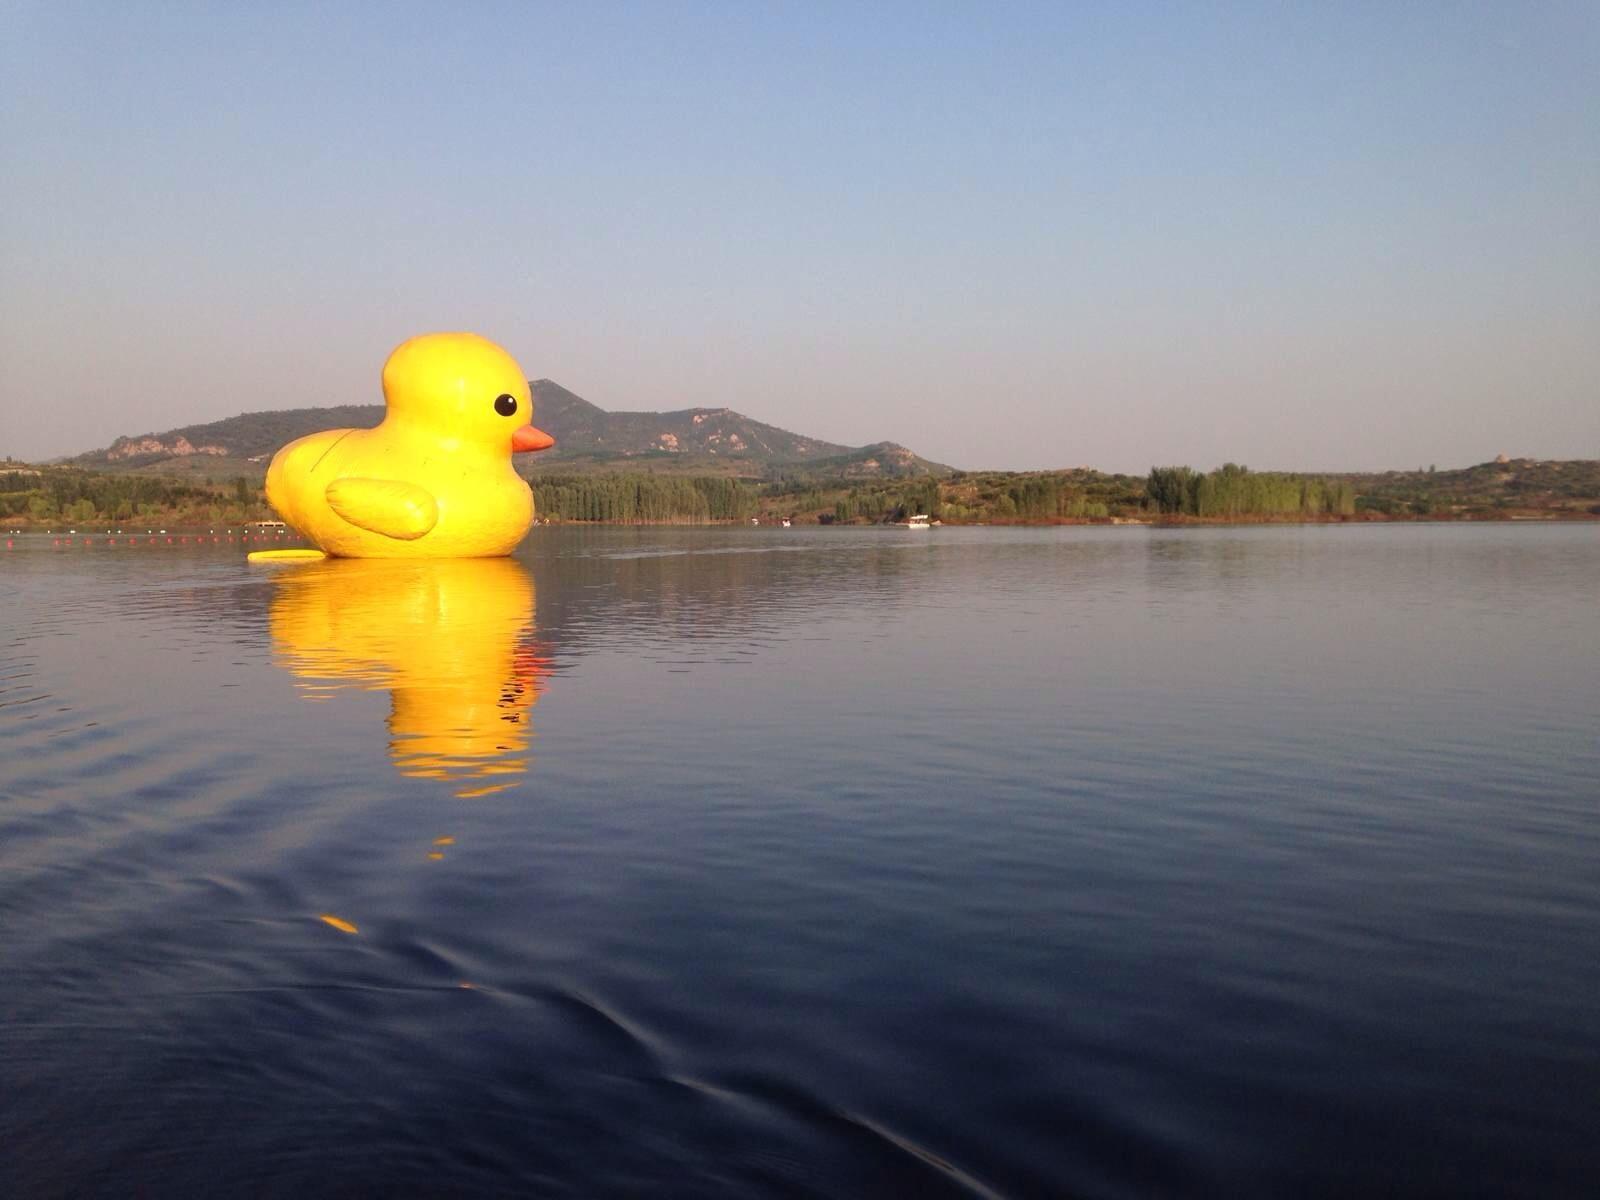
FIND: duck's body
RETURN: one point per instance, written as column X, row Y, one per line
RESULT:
column 434, row 480
column 394, row 493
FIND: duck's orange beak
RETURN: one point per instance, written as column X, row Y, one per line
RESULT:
column 529, row 438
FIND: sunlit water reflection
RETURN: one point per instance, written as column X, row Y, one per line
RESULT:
column 451, row 642
column 824, row 862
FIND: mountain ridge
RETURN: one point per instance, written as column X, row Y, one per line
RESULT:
column 587, row 437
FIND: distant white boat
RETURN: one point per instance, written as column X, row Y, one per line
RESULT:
column 920, row 521
column 787, row 522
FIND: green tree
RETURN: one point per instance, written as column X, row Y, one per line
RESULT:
column 1171, row 489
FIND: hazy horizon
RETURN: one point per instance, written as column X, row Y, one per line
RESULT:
column 1358, row 238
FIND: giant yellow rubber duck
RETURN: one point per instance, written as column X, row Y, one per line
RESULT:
column 434, row 479
column 451, row 642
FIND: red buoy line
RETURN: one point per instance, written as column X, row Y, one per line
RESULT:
column 152, row 539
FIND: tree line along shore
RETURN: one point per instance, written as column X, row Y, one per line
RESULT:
column 46, row 496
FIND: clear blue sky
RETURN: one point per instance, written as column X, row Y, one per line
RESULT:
column 1017, row 235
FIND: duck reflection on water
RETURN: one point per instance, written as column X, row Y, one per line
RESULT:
column 452, row 640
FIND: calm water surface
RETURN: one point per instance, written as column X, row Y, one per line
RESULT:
column 806, row 863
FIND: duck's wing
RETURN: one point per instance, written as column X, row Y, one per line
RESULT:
column 388, row 506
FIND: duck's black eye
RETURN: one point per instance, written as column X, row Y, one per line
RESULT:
column 506, row 406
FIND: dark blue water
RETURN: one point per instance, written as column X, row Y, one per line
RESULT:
column 806, row 863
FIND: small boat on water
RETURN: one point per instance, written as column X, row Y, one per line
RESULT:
column 920, row 521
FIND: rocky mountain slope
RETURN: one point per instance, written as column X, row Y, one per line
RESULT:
column 588, row 437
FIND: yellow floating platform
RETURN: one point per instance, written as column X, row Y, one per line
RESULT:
column 300, row 555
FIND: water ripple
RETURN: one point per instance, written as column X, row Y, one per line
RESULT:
column 1023, row 862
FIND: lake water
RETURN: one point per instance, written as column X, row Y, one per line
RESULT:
column 757, row 862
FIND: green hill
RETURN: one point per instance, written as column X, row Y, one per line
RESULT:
column 1508, row 485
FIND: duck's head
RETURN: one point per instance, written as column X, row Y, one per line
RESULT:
column 465, row 388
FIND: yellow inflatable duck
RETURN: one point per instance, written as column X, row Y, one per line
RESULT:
column 452, row 643
column 434, row 479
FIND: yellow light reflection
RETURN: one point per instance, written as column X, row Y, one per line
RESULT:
column 451, row 640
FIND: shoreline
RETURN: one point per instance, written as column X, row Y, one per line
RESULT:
column 1166, row 521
